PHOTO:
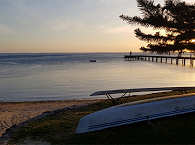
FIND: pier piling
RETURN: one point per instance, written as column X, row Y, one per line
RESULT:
column 167, row 59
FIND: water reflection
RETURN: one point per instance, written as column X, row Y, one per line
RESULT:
column 78, row 80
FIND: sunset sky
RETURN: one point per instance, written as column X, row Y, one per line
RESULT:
column 67, row 26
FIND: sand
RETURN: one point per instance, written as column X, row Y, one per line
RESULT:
column 15, row 113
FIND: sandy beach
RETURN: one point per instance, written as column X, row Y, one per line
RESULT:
column 15, row 113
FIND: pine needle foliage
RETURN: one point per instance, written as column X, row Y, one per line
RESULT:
column 175, row 17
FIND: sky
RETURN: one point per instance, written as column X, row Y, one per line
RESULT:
column 67, row 26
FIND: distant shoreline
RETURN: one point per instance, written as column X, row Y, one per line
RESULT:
column 61, row 53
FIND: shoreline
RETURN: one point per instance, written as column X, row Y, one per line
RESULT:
column 15, row 113
column 48, row 101
column 26, row 112
column 64, row 121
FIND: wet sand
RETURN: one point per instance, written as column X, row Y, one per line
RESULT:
column 15, row 113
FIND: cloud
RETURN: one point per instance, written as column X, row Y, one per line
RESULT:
column 64, row 25
column 115, row 30
column 109, row 1
column 5, row 30
column 60, row 26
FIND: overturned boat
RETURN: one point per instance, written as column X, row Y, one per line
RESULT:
column 136, row 112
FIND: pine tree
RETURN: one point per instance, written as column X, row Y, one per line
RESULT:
column 175, row 17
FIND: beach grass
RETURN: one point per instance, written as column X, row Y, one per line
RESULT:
column 59, row 128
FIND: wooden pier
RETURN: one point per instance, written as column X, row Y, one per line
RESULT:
column 162, row 59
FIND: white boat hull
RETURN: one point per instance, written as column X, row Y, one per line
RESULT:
column 131, row 113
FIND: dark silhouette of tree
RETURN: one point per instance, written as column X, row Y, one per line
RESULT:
column 175, row 17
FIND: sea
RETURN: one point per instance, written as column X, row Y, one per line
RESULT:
column 66, row 76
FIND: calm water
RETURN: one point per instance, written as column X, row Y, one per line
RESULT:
column 30, row 77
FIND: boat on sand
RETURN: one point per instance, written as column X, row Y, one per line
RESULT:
column 136, row 112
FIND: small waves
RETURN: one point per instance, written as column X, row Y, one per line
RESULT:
column 52, row 59
column 66, row 76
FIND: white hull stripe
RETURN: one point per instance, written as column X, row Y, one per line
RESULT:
column 148, row 117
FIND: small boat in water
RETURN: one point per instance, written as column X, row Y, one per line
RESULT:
column 136, row 112
column 92, row 60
